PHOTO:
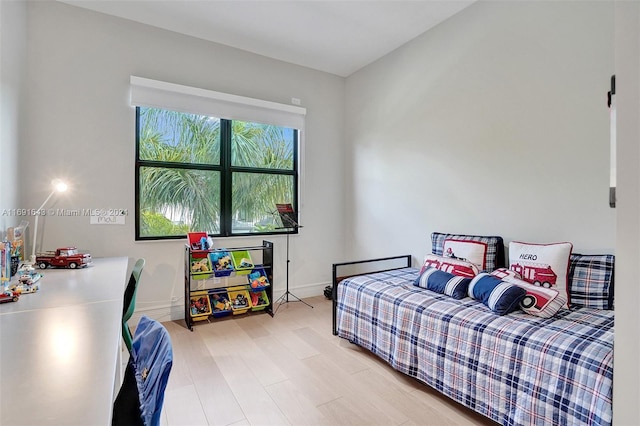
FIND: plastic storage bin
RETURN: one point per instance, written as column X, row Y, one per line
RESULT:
column 201, row 268
column 258, row 279
column 220, row 303
column 259, row 300
column 221, row 263
column 242, row 262
column 240, row 300
column 200, row 305
column 195, row 241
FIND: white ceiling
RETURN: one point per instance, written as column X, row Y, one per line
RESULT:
column 335, row 36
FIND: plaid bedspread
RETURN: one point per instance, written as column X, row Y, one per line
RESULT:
column 515, row 369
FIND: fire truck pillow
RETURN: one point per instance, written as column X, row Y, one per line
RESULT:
column 453, row 266
column 543, row 265
column 499, row 296
column 591, row 280
column 539, row 301
column 443, row 282
column 469, row 251
column 493, row 257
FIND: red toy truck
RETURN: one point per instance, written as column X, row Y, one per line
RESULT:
column 65, row 257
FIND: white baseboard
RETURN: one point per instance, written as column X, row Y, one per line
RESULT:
column 175, row 310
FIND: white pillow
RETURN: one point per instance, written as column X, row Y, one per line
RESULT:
column 543, row 265
column 470, row 251
column 539, row 301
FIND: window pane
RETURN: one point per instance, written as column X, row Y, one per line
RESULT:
column 177, row 201
column 262, row 145
column 254, row 200
column 172, row 136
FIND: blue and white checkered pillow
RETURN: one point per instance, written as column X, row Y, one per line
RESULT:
column 495, row 257
column 591, row 280
column 443, row 282
column 499, row 296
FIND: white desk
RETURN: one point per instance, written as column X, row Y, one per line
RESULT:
column 60, row 347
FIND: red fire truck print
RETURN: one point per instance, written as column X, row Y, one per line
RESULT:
column 506, row 274
column 451, row 267
column 535, row 299
column 536, row 273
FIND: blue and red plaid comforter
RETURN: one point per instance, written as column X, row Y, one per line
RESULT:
column 516, row 369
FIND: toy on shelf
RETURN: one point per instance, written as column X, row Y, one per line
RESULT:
column 65, row 257
column 7, row 295
column 5, row 263
column 27, row 279
column 15, row 235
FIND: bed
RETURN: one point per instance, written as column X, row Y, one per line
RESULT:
column 516, row 369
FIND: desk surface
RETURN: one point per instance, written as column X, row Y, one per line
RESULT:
column 60, row 346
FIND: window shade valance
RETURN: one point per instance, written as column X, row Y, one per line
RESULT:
column 176, row 97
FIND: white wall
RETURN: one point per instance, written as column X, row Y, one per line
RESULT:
column 12, row 66
column 80, row 127
column 626, row 373
column 494, row 122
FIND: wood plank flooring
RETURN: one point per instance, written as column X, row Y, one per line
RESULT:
column 290, row 370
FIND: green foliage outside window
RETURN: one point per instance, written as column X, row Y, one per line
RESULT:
column 198, row 173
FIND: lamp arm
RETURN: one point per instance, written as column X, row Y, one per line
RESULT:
column 35, row 228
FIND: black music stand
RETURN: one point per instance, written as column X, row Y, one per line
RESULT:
column 288, row 223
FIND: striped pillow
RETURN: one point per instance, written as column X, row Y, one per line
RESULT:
column 539, row 301
column 443, row 282
column 499, row 296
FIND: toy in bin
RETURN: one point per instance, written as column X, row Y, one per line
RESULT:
column 200, row 268
column 199, row 241
column 258, row 279
column 259, row 300
column 220, row 303
column 200, row 306
column 240, row 299
column 242, row 262
column 221, row 262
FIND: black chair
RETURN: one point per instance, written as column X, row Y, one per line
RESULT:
column 141, row 396
column 130, row 301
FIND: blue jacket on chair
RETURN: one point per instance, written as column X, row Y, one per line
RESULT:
column 140, row 401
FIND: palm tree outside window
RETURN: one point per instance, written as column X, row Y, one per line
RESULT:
column 196, row 173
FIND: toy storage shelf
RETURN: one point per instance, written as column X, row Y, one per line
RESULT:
column 208, row 285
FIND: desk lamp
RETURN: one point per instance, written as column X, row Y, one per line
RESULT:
column 58, row 186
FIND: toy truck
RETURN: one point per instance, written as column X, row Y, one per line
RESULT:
column 65, row 257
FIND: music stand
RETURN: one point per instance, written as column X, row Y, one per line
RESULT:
column 288, row 223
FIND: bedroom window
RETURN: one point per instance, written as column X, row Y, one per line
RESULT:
column 199, row 172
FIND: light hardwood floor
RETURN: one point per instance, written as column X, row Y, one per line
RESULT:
column 290, row 370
